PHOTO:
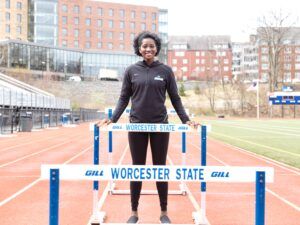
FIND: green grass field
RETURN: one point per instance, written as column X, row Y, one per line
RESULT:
column 275, row 139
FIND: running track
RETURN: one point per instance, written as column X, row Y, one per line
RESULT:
column 24, row 198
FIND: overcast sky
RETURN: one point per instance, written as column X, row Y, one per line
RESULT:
column 237, row 18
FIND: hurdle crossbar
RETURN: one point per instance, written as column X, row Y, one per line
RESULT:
column 259, row 175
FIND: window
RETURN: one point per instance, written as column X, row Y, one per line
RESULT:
column 144, row 15
column 264, row 50
column 99, row 23
column 19, row 18
column 264, row 58
column 76, row 9
column 132, row 14
column 216, row 61
column 87, row 44
column 19, row 5
column 202, row 53
column 7, row 28
column 7, row 4
column 19, row 29
column 76, row 33
column 143, row 26
column 179, row 53
column 197, row 53
column 88, row 21
column 76, row 20
column 297, row 66
column 111, row 12
column 121, row 36
column 122, row 24
column 287, row 77
column 174, row 69
column 226, row 61
column 64, row 43
column 110, row 35
column 76, row 44
column 287, row 58
column 297, row 58
column 122, row 13
column 88, row 9
column 202, row 61
column 287, row 50
column 287, row 66
column 88, row 33
column 132, row 36
column 64, row 20
column 109, row 45
column 174, row 61
column 7, row 16
column 197, row 61
column 184, row 69
column 153, row 16
column 132, row 25
column 100, row 11
column 110, row 23
column 185, row 61
column 64, row 8
column 99, row 34
column 99, row 45
column 153, row 27
column 226, row 68
column 121, row 46
column 64, row 32
column 264, row 66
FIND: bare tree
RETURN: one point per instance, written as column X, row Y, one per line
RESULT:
column 273, row 31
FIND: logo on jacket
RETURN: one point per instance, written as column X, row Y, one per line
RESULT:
column 158, row 77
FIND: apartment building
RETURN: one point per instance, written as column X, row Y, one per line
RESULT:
column 197, row 58
column 245, row 60
column 13, row 19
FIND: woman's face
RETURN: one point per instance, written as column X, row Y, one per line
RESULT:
column 148, row 49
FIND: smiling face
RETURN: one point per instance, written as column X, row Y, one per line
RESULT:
column 148, row 49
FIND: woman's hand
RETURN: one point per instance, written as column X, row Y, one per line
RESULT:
column 193, row 124
column 103, row 122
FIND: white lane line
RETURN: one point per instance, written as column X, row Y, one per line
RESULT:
column 35, row 153
column 27, row 143
column 267, row 189
column 37, row 180
column 19, row 192
column 262, row 158
column 253, row 143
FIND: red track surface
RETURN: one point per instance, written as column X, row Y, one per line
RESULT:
column 24, row 198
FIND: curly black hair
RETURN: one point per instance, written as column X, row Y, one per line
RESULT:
column 137, row 42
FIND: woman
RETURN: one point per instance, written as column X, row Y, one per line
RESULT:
column 146, row 83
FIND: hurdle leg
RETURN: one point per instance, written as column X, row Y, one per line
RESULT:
column 200, row 218
column 54, row 197
column 260, row 198
column 183, row 161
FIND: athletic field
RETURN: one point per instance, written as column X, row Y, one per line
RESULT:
column 275, row 139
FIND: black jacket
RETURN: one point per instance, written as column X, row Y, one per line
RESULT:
column 146, row 85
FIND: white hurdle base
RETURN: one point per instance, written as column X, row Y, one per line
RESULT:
column 199, row 219
column 98, row 218
column 181, row 191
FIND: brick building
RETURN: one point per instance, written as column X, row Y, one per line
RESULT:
column 196, row 58
column 103, row 26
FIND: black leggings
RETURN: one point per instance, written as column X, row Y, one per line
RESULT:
column 138, row 143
